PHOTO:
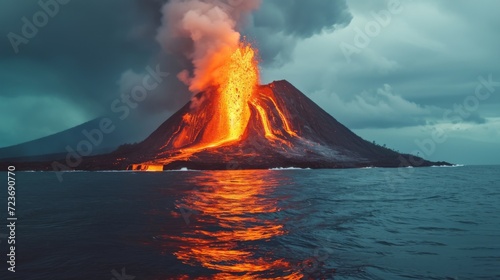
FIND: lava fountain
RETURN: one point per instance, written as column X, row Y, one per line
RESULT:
column 237, row 80
column 227, row 113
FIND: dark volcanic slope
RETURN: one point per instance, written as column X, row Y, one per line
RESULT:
column 303, row 135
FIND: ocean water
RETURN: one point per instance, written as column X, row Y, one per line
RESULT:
column 408, row 223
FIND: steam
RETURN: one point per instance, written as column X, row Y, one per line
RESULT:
column 205, row 32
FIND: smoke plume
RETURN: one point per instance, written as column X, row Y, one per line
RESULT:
column 206, row 32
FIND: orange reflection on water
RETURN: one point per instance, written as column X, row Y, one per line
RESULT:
column 233, row 216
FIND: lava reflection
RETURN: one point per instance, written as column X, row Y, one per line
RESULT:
column 233, row 223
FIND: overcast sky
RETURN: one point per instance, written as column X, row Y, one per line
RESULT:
column 420, row 77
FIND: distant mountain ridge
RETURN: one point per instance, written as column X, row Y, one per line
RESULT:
column 46, row 148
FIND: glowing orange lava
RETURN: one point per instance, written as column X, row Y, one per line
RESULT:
column 236, row 80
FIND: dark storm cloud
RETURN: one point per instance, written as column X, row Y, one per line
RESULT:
column 300, row 18
column 279, row 24
column 83, row 46
column 76, row 59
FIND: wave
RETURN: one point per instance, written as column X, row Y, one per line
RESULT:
column 449, row 166
column 289, row 168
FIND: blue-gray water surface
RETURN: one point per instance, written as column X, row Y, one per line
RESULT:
column 420, row 223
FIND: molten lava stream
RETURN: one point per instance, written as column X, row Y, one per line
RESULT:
column 237, row 81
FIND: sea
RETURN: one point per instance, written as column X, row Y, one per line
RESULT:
column 374, row 223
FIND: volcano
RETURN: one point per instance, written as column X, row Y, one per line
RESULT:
column 284, row 129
